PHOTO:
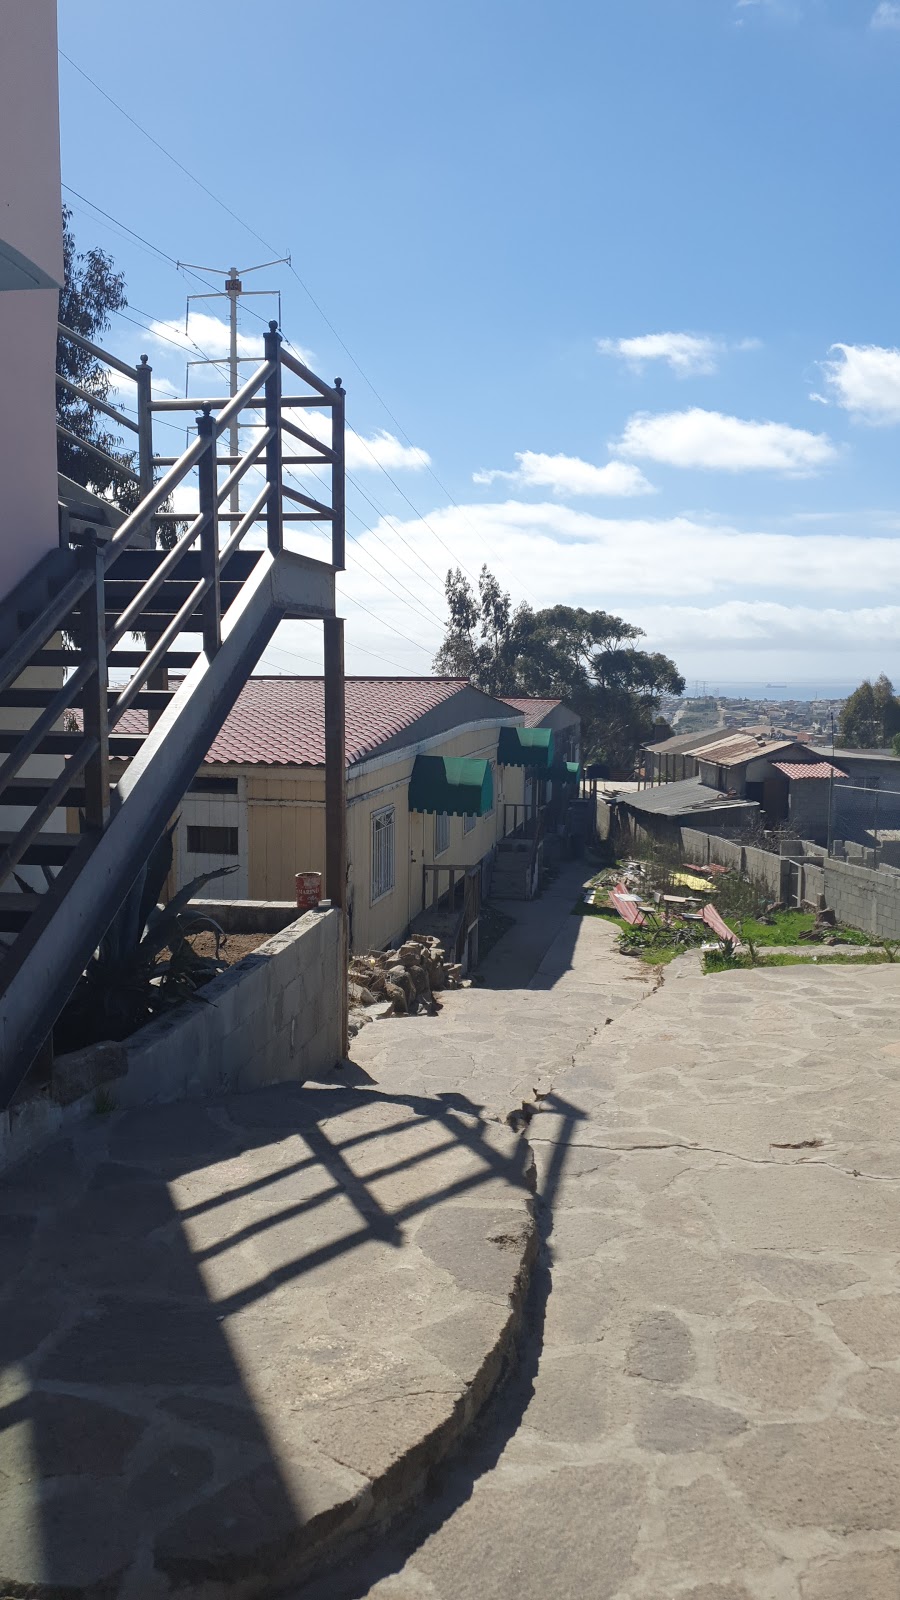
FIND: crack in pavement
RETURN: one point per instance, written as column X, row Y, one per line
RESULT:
column 732, row 1155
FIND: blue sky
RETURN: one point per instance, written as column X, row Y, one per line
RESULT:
column 625, row 278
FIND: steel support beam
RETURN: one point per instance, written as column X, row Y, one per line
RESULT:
column 336, row 797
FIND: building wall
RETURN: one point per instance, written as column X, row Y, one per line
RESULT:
column 283, row 821
column 808, row 808
column 30, row 223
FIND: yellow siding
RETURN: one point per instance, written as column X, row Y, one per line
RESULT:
column 285, row 831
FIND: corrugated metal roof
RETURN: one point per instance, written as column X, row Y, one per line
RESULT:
column 280, row 721
column 809, row 769
column 741, row 747
column 534, row 710
column 684, row 743
column 679, row 799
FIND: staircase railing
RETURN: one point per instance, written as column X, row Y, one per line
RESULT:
column 100, row 625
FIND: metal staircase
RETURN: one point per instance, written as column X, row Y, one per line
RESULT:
column 95, row 629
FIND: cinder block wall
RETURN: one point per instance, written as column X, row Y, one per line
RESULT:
column 271, row 1018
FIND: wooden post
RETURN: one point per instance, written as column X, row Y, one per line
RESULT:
column 336, row 798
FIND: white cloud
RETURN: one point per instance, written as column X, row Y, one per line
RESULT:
column 213, row 337
column 712, row 441
column 382, row 449
column 865, row 379
column 886, row 15
column 769, row 625
column 689, row 355
column 704, row 590
column 569, row 475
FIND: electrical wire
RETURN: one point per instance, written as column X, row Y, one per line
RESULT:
column 313, row 301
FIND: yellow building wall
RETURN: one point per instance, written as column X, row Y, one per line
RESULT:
column 286, row 833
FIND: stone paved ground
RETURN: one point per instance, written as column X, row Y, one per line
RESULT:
column 231, row 1333
column 710, row 1404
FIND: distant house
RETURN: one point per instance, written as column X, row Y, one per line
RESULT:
column 554, row 714
column 673, row 759
column 438, row 773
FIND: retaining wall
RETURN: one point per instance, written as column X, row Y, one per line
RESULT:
column 271, row 1018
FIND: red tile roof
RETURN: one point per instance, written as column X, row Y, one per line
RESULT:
column 280, row 721
column 534, row 710
column 808, row 769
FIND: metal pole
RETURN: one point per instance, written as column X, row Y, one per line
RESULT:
column 207, row 473
column 338, row 560
column 336, row 798
column 145, row 426
column 274, row 519
column 96, row 691
column 830, row 839
column 233, row 288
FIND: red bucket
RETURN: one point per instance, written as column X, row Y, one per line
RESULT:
column 309, row 890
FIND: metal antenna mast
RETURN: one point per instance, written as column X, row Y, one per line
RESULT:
column 232, row 292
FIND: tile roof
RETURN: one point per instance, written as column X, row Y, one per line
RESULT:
column 533, row 710
column 280, row 721
column 809, row 769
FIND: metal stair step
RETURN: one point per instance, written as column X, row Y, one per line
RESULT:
column 118, row 660
column 125, row 745
column 138, row 565
column 49, row 849
column 147, row 699
column 30, row 792
column 15, row 909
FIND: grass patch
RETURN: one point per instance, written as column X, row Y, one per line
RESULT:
column 786, row 927
column 717, row 961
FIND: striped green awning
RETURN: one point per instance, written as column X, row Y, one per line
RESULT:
column 526, row 747
column 459, row 785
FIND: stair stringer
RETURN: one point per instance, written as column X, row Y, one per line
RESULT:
column 53, row 950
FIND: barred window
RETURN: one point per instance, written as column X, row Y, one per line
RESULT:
column 441, row 833
column 203, row 841
column 382, row 852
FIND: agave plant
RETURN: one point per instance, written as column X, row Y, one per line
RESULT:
column 128, row 980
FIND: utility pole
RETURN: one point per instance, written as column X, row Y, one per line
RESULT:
column 232, row 292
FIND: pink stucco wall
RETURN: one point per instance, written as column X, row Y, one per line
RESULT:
column 30, row 220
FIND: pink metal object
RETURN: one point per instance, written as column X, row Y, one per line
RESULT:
column 712, row 919
column 626, row 905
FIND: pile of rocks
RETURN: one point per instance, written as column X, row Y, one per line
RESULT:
column 408, row 979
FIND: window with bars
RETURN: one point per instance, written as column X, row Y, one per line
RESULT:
column 204, row 841
column 441, row 833
column 382, row 852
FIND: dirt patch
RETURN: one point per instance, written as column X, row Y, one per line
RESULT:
column 232, row 948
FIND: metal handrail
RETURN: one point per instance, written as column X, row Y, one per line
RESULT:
column 64, row 332
column 99, row 405
column 90, row 750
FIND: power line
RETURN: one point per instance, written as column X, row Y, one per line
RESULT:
column 174, row 159
column 220, row 364
column 328, row 323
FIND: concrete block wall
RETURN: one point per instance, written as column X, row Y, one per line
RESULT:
column 271, row 1018
column 864, row 898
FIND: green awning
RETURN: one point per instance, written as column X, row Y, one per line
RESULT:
column 565, row 772
column 456, row 784
column 525, row 747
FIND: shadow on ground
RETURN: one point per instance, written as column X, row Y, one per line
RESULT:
column 232, row 1334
